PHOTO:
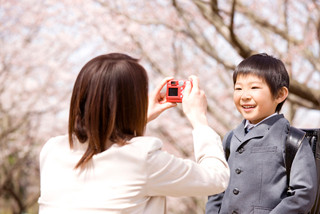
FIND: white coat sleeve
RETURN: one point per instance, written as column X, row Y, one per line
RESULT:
column 172, row 176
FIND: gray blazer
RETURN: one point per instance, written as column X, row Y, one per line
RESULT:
column 258, row 180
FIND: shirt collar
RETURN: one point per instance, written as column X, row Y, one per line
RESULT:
column 248, row 125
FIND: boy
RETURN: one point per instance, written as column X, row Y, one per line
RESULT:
column 258, row 179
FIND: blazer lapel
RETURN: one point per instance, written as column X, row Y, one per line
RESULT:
column 256, row 132
column 240, row 136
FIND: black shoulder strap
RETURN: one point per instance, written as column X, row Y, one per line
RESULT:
column 293, row 142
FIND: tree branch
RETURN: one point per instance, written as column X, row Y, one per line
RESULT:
column 305, row 93
column 214, row 18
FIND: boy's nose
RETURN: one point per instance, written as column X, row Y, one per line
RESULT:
column 245, row 95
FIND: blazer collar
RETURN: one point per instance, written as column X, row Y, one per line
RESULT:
column 256, row 132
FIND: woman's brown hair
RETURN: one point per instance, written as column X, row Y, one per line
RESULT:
column 109, row 103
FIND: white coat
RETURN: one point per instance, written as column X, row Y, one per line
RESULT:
column 134, row 178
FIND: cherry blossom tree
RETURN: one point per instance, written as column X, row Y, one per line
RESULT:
column 43, row 45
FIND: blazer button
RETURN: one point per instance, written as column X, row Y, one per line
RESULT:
column 236, row 191
column 238, row 171
column 241, row 150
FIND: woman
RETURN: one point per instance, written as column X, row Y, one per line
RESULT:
column 106, row 165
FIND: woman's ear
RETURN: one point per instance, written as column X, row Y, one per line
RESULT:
column 282, row 94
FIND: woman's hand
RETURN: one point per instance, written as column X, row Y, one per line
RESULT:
column 194, row 103
column 157, row 101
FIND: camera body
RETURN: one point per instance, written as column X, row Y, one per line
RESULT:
column 174, row 90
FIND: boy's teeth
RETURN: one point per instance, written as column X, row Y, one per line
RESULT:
column 248, row 106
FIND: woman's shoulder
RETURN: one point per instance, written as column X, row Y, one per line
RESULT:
column 55, row 142
column 146, row 143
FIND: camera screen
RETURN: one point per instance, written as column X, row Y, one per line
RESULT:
column 173, row 92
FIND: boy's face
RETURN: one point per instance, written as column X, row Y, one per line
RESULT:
column 253, row 98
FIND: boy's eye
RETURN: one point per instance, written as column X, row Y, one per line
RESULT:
column 255, row 87
column 237, row 88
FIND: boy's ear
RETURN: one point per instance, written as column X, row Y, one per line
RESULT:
column 282, row 95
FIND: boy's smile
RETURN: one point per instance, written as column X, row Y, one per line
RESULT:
column 253, row 98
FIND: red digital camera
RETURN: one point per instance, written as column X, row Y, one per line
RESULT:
column 174, row 90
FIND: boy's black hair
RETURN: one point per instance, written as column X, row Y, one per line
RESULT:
column 268, row 68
